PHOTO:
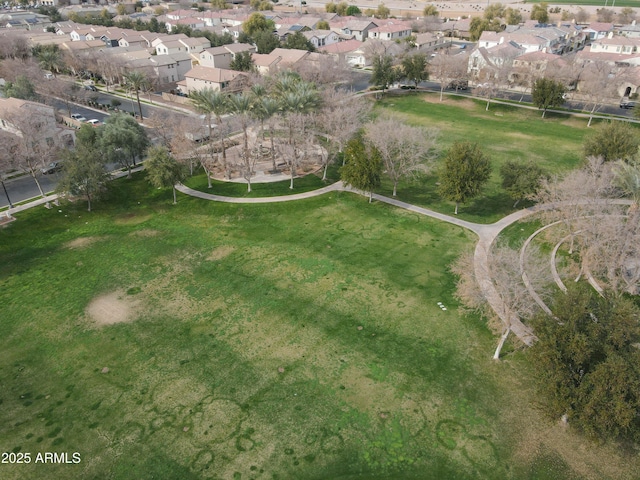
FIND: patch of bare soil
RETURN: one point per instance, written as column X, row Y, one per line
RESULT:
column 145, row 233
column 220, row 253
column 82, row 242
column 435, row 98
column 114, row 307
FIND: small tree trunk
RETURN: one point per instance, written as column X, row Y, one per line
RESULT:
column 326, row 166
column 88, row 202
column 370, row 195
column 35, row 178
column 395, row 187
column 175, row 200
column 139, row 105
column 516, row 204
column 441, row 91
column 543, row 112
column 292, row 169
column 487, row 107
column 496, row 355
column 456, row 211
column 249, row 184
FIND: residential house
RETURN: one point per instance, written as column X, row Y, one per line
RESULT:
column 427, row 42
column 218, row 79
column 349, row 51
column 221, row 57
column 23, row 117
column 630, row 31
column 391, row 31
column 192, row 22
column 354, row 27
column 321, row 38
column 616, row 44
column 486, row 61
column 598, row 30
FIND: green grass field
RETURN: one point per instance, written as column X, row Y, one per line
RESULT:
column 504, row 132
column 284, row 341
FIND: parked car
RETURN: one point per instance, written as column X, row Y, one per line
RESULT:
column 78, row 117
column 91, row 88
column 94, row 122
column 458, row 85
column 627, row 104
column 53, row 167
column 408, row 87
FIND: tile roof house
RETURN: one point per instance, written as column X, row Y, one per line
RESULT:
column 616, row 44
column 353, row 26
column 17, row 114
column 221, row 57
column 349, row 50
column 218, row 79
column 390, row 31
column 321, row 38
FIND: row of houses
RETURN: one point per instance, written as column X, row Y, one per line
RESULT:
column 531, row 51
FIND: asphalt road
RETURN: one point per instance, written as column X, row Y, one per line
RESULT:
column 24, row 188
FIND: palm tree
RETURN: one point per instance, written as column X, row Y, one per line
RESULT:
column 209, row 101
column 51, row 59
column 266, row 109
column 627, row 178
column 240, row 105
column 137, row 81
column 295, row 104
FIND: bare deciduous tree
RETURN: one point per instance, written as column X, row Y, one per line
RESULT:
column 447, row 68
column 406, row 151
column 598, row 84
column 341, row 117
column 505, row 273
column 35, row 144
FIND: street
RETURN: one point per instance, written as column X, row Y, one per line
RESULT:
column 24, row 188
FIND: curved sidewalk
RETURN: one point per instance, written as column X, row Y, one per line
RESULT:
column 281, row 198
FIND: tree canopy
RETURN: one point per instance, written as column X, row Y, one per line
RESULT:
column 257, row 22
column 612, row 140
column 547, row 93
column 242, row 62
column 298, row 41
column 587, row 361
column 363, row 166
column 22, row 88
column 163, row 170
column 414, row 68
column 383, row 73
column 521, row 179
column 84, row 174
column 466, row 170
column 122, row 140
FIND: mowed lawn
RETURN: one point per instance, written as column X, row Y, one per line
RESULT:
column 504, row 133
column 282, row 341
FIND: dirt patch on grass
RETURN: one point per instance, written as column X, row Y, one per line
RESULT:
column 114, row 307
column 145, row 233
column 82, row 242
column 131, row 219
column 220, row 253
column 446, row 100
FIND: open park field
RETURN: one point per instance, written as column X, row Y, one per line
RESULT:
column 298, row 340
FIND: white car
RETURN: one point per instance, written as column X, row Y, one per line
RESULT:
column 94, row 122
column 78, row 117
